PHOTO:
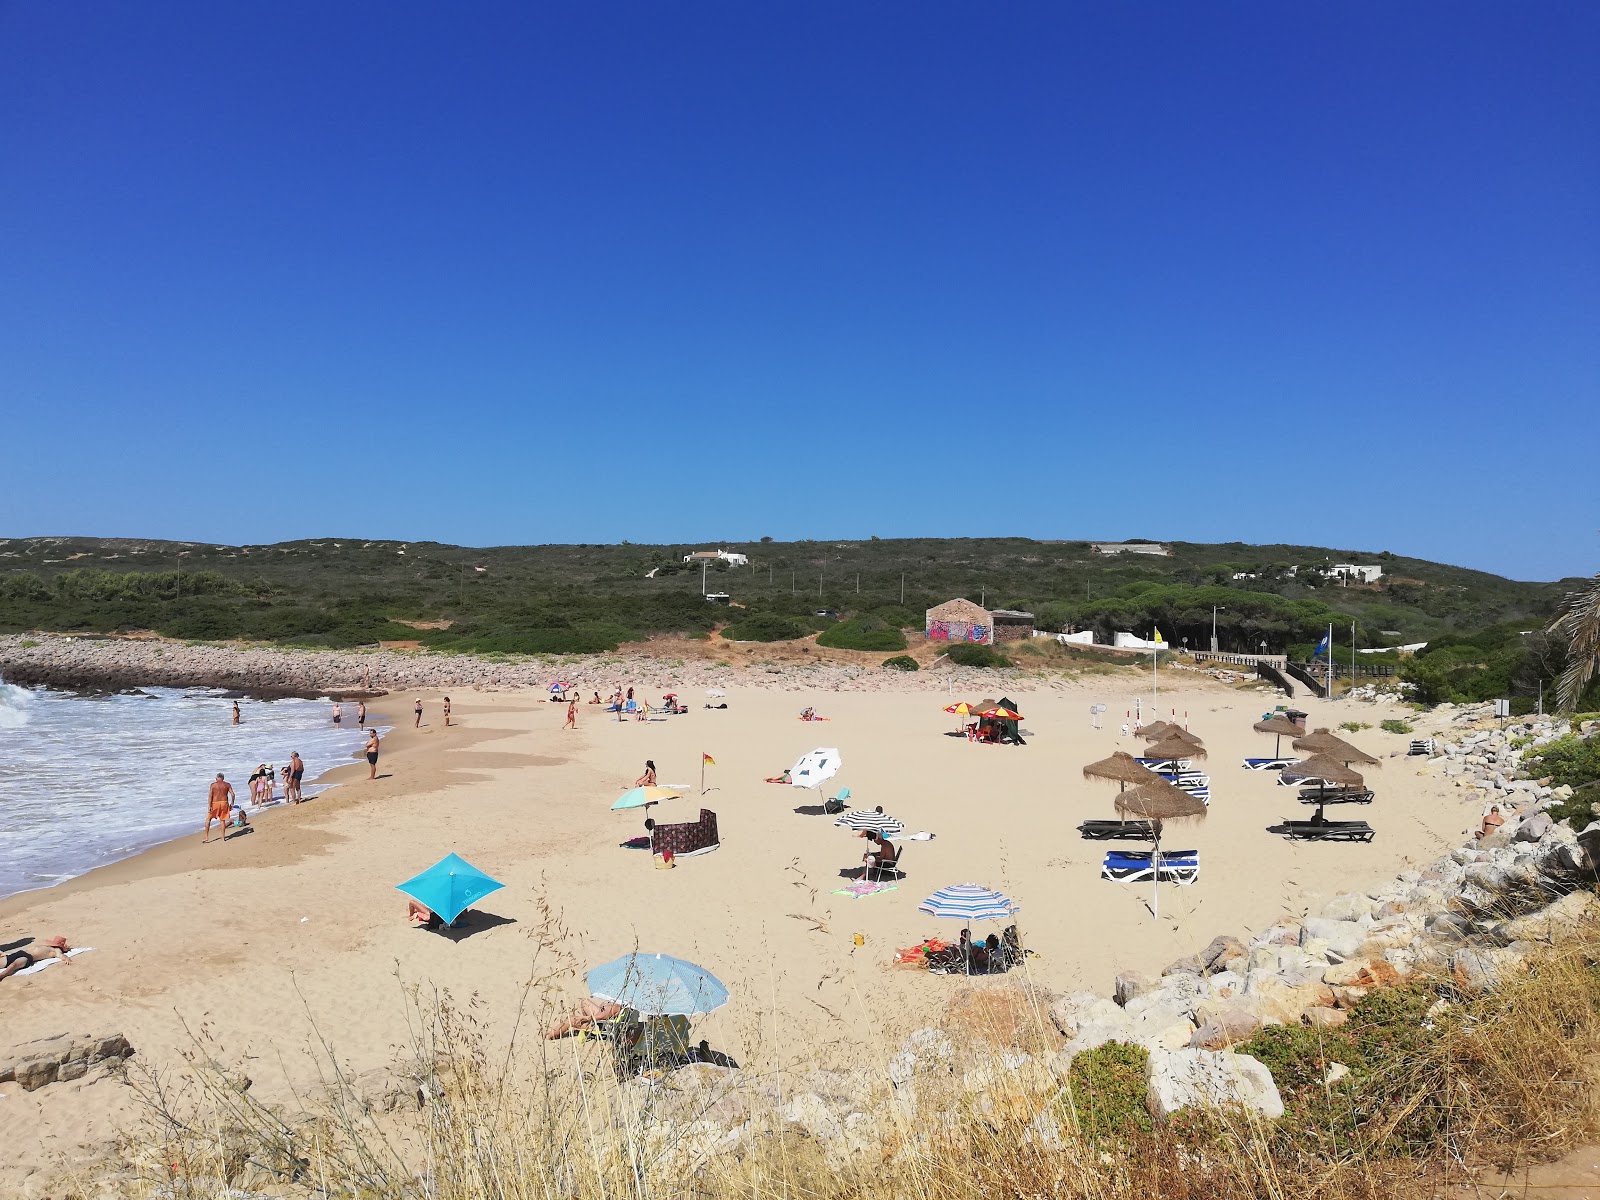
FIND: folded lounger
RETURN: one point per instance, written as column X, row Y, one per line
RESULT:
column 1177, row 866
column 1324, row 831
column 1320, row 796
column 1107, row 831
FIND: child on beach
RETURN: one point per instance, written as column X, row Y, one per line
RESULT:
column 447, row 712
column 572, row 714
column 417, row 724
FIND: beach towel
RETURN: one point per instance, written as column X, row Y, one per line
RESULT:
column 863, row 889
column 50, row 962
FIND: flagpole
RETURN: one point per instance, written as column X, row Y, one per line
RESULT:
column 1330, row 660
column 702, row 772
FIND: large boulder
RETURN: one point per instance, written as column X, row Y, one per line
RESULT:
column 1230, row 1025
column 1362, row 973
column 1192, row 1078
column 61, row 1058
column 1548, row 924
column 1344, row 938
column 1348, row 906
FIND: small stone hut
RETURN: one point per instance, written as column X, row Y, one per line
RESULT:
column 1011, row 625
column 960, row 620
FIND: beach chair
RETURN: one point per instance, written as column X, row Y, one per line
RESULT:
column 1267, row 764
column 834, row 805
column 1323, row 831
column 1111, row 831
column 1422, row 746
column 894, row 870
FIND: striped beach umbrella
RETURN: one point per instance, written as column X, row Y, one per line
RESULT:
column 865, row 818
column 969, row 902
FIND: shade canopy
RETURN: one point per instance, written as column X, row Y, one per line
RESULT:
column 449, row 887
column 1174, row 747
column 1279, row 724
column 866, row 818
column 962, row 708
column 999, row 713
column 815, row 767
column 1158, row 801
column 1121, row 767
column 969, row 902
column 1156, row 729
column 640, row 796
column 656, row 985
column 1321, row 741
column 1320, row 766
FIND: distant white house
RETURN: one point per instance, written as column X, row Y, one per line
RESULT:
column 1245, row 575
column 1084, row 638
column 1361, row 574
column 1129, row 548
column 727, row 556
column 1128, row 641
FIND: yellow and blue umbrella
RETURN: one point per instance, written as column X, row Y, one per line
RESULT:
column 450, row 887
column 640, row 796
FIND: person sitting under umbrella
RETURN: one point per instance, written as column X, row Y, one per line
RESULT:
column 884, row 854
column 418, row 913
column 591, row 1010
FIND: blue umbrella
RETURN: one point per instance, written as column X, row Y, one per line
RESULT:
column 658, row 984
column 969, row 902
column 450, row 886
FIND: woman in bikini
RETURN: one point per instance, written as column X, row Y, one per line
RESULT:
column 648, row 779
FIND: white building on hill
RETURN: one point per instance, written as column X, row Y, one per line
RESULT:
column 1129, row 548
column 1355, row 573
column 727, row 556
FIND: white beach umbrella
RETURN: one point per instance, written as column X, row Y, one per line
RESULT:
column 815, row 768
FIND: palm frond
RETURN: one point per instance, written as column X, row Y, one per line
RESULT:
column 1577, row 622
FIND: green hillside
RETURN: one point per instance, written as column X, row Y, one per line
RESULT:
column 577, row 598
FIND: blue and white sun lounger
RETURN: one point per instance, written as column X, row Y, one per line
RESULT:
column 1177, row 866
column 1268, row 764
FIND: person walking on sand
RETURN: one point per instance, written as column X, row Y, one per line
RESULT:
column 297, row 772
column 447, row 712
column 572, row 715
column 372, row 753
column 235, row 712
column 361, row 714
column 417, row 724
column 220, row 808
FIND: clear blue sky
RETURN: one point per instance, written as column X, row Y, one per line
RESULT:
column 494, row 273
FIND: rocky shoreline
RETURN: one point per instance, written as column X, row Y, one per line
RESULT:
column 112, row 664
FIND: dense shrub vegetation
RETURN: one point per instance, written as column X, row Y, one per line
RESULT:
column 765, row 627
column 971, row 654
column 570, row 598
column 900, row 662
column 862, row 633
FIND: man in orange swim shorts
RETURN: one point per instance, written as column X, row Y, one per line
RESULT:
column 221, row 807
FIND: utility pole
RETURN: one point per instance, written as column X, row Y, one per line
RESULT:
column 180, row 574
column 1215, row 608
column 902, row 589
column 463, row 585
column 819, row 582
column 792, row 587
column 702, row 577
column 1352, row 656
column 858, row 583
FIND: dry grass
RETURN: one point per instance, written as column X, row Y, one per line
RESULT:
column 1434, row 1092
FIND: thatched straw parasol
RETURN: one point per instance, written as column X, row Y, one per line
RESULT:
column 1121, row 768
column 1322, row 742
column 1282, row 727
column 1173, row 747
column 1159, row 801
column 1320, row 766
column 1156, row 729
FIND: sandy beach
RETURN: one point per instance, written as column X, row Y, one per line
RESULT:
column 255, row 948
